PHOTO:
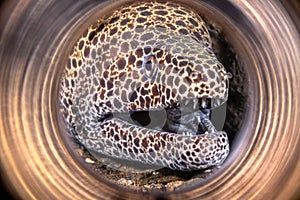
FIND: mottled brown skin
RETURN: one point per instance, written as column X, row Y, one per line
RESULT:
column 147, row 56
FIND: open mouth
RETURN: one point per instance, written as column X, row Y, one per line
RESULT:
column 188, row 117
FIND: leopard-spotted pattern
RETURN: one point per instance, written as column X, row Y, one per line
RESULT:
column 146, row 56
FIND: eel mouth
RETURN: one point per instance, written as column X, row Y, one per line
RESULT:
column 188, row 117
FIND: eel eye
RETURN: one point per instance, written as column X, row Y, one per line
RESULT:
column 150, row 66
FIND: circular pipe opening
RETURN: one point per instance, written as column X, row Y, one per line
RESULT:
column 263, row 103
column 165, row 179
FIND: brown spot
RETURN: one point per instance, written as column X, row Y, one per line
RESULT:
column 180, row 12
column 109, row 94
column 105, row 74
column 146, row 13
column 74, row 62
column 113, row 31
column 81, row 43
column 124, row 22
column 197, row 35
column 156, row 147
column 168, row 93
column 67, row 83
column 188, row 69
column 159, row 54
column 100, row 27
column 161, row 12
column 102, row 93
column 151, row 138
column 193, row 22
column 125, row 10
column 86, row 52
column 109, row 84
column 183, row 157
column 121, row 63
column 155, row 90
column 136, row 142
column 135, row 150
column 180, row 23
column 141, row 20
column 148, row 101
column 142, row 101
column 92, row 35
column 139, row 53
column 95, row 97
column 160, row 19
column 125, row 145
column 117, row 138
column 147, row 50
column 143, row 91
column 171, row 26
column 131, row 59
column 160, row 7
column 133, row 96
column 183, row 31
column 113, row 20
column 85, row 33
column 145, row 143
column 66, row 103
column 174, row 60
column 142, row 8
column 102, row 38
column 183, row 63
column 168, row 58
column 102, row 83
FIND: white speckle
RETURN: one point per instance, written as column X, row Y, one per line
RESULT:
column 89, row 160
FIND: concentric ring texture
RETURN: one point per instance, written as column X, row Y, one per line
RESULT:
column 38, row 163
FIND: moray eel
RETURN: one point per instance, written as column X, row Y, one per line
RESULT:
column 146, row 57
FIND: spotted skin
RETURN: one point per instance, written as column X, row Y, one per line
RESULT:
column 146, row 56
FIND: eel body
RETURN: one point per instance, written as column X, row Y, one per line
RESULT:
column 146, row 57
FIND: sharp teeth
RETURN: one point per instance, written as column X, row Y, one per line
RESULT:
column 186, row 103
column 195, row 103
column 186, row 133
column 198, row 119
column 203, row 103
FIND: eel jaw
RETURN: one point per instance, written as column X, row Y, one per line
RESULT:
column 191, row 116
column 188, row 117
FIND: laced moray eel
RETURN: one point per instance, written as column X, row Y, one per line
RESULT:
column 145, row 57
